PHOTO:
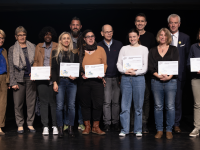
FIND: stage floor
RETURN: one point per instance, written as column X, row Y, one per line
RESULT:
column 110, row 141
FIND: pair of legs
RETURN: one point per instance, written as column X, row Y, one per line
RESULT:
column 111, row 105
column 164, row 92
column 46, row 97
column 27, row 88
column 132, row 88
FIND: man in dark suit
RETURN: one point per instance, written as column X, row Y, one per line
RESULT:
column 182, row 42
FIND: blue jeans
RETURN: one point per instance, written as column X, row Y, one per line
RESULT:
column 69, row 87
column 132, row 87
column 164, row 92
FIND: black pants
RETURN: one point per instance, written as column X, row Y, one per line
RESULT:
column 46, row 97
column 91, row 94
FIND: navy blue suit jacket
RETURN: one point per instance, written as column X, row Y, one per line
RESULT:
column 183, row 48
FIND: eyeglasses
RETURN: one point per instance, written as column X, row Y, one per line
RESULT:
column 88, row 37
column 21, row 35
column 108, row 32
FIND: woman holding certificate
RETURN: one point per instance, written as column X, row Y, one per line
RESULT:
column 91, row 90
column 20, row 59
column 4, row 81
column 132, row 63
column 62, row 85
column 43, row 58
column 163, row 86
column 193, row 62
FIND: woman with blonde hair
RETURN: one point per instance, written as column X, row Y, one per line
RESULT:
column 4, row 80
column 163, row 86
column 61, row 85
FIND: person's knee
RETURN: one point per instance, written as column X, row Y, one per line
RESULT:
column 158, row 107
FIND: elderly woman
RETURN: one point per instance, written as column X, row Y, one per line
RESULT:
column 91, row 90
column 4, row 80
column 43, row 58
column 163, row 86
column 21, row 58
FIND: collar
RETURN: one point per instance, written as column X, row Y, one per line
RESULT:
column 176, row 34
column 44, row 45
column 109, row 43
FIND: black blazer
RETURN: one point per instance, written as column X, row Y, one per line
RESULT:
column 55, row 65
column 183, row 48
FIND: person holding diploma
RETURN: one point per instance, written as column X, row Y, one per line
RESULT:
column 91, row 90
column 195, row 82
column 43, row 58
column 4, row 81
column 20, row 59
column 132, row 84
column 163, row 86
column 64, row 53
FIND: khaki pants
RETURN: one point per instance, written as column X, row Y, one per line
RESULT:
column 3, row 99
column 196, row 92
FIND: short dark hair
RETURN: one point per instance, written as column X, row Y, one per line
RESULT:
column 198, row 35
column 76, row 18
column 141, row 15
column 44, row 31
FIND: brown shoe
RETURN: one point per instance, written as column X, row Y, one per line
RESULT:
column 177, row 129
column 2, row 133
column 96, row 129
column 169, row 135
column 87, row 127
column 159, row 134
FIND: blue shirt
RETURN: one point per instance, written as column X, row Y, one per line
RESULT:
column 3, row 66
column 47, row 53
column 108, row 45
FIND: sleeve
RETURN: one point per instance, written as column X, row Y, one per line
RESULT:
column 104, row 59
column 188, row 46
column 151, row 63
column 76, row 58
column 176, row 54
column 190, row 56
column 145, row 63
column 8, row 73
column 11, row 66
column 36, row 56
column 153, row 42
column 120, row 61
column 53, row 67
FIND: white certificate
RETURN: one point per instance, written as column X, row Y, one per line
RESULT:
column 40, row 73
column 195, row 64
column 69, row 69
column 168, row 67
column 93, row 71
column 132, row 62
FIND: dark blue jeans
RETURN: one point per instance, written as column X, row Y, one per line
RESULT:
column 164, row 92
column 69, row 87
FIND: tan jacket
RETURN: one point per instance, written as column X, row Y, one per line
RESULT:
column 4, row 53
column 39, row 54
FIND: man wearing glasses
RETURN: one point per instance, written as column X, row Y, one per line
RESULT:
column 111, row 105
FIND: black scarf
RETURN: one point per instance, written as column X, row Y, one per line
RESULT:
column 90, row 47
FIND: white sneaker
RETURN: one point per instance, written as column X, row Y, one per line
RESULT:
column 122, row 134
column 55, row 130
column 138, row 134
column 195, row 132
column 45, row 131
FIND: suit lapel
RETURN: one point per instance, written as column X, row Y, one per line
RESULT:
column 179, row 40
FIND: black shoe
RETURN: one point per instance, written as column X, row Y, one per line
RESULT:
column 20, row 131
column 31, row 130
column 107, row 127
column 60, row 132
column 145, row 129
column 71, row 131
column 116, row 127
column 131, row 129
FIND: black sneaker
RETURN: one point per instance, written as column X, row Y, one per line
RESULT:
column 116, row 127
column 107, row 127
column 145, row 129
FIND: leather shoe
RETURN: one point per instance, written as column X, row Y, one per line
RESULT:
column 31, row 130
column 177, row 129
column 71, row 131
column 116, row 127
column 159, row 134
column 169, row 135
column 87, row 127
column 2, row 133
column 145, row 129
column 107, row 127
column 60, row 132
column 96, row 129
column 20, row 131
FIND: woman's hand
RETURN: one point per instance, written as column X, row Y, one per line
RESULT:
column 83, row 76
column 166, row 77
column 104, row 82
column 72, row 78
column 15, row 87
column 131, row 72
column 55, row 86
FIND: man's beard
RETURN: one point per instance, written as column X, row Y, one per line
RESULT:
column 75, row 33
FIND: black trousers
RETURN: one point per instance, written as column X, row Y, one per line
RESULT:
column 91, row 94
column 46, row 97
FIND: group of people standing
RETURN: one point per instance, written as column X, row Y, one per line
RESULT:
column 92, row 96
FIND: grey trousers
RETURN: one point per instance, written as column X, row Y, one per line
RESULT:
column 195, row 89
column 27, row 88
column 111, row 106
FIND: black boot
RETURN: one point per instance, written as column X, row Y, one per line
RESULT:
column 71, row 131
column 60, row 132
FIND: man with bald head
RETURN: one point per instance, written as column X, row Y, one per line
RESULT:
column 111, row 105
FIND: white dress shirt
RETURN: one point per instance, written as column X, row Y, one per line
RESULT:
column 175, row 39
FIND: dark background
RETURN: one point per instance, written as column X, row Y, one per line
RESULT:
column 35, row 16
